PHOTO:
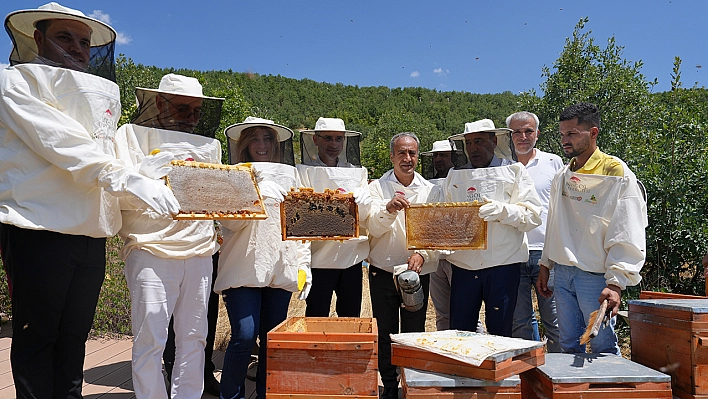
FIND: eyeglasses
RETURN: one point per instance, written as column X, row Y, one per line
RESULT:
column 185, row 111
column 330, row 139
column 519, row 133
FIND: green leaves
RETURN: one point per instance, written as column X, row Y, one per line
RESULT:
column 660, row 136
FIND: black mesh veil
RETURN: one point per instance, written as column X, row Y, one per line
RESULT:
column 21, row 25
column 174, row 113
column 503, row 150
column 427, row 165
column 350, row 149
column 285, row 138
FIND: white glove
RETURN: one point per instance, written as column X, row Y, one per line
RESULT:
column 156, row 166
column 304, row 282
column 272, row 190
column 152, row 192
column 492, row 210
column 362, row 196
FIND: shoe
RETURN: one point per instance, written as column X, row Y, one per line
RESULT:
column 252, row 368
column 211, row 386
column 389, row 393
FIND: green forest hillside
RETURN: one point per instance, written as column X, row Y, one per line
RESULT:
column 661, row 136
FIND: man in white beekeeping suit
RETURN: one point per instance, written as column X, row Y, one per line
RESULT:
column 168, row 263
column 330, row 160
column 59, row 187
column 511, row 208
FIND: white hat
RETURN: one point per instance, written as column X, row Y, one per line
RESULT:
column 480, row 126
column 176, row 85
column 441, row 146
column 24, row 21
column 233, row 132
column 331, row 125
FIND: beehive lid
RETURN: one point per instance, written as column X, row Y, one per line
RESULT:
column 686, row 305
column 422, row 379
column 566, row 368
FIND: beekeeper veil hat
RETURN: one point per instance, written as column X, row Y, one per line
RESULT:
column 95, row 57
column 178, row 104
column 504, row 148
column 238, row 149
column 348, row 144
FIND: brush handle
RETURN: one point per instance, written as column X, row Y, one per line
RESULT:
column 598, row 320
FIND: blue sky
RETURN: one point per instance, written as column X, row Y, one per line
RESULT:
column 475, row 46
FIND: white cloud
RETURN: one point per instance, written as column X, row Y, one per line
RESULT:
column 122, row 38
column 415, row 74
column 101, row 16
column 440, row 71
column 3, row 66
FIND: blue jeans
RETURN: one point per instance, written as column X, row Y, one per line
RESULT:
column 576, row 294
column 252, row 313
column 525, row 323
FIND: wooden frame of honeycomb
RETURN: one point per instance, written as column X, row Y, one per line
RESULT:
column 330, row 207
column 445, row 225
column 215, row 186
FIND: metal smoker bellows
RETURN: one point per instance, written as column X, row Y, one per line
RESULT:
column 411, row 291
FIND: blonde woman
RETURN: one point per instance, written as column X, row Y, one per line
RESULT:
column 258, row 271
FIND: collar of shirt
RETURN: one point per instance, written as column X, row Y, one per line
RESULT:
column 391, row 176
column 591, row 164
column 319, row 162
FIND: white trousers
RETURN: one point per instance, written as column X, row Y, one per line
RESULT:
column 159, row 289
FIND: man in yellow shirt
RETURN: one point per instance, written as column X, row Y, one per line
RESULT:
column 595, row 239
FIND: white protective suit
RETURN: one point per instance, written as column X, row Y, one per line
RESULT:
column 596, row 223
column 253, row 253
column 54, row 178
column 388, row 230
column 512, row 186
column 328, row 254
column 143, row 229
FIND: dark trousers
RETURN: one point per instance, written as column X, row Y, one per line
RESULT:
column 168, row 355
column 345, row 282
column 386, row 306
column 497, row 286
column 56, row 279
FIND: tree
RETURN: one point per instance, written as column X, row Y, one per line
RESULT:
column 586, row 72
column 660, row 137
column 375, row 147
column 673, row 170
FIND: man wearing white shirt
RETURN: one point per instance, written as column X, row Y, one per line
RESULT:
column 542, row 166
column 392, row 193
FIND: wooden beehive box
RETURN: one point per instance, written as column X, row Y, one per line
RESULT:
column 671, row 335
column 494, row 368
column 418, row 384
column 318, row 357
column 593, row 376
